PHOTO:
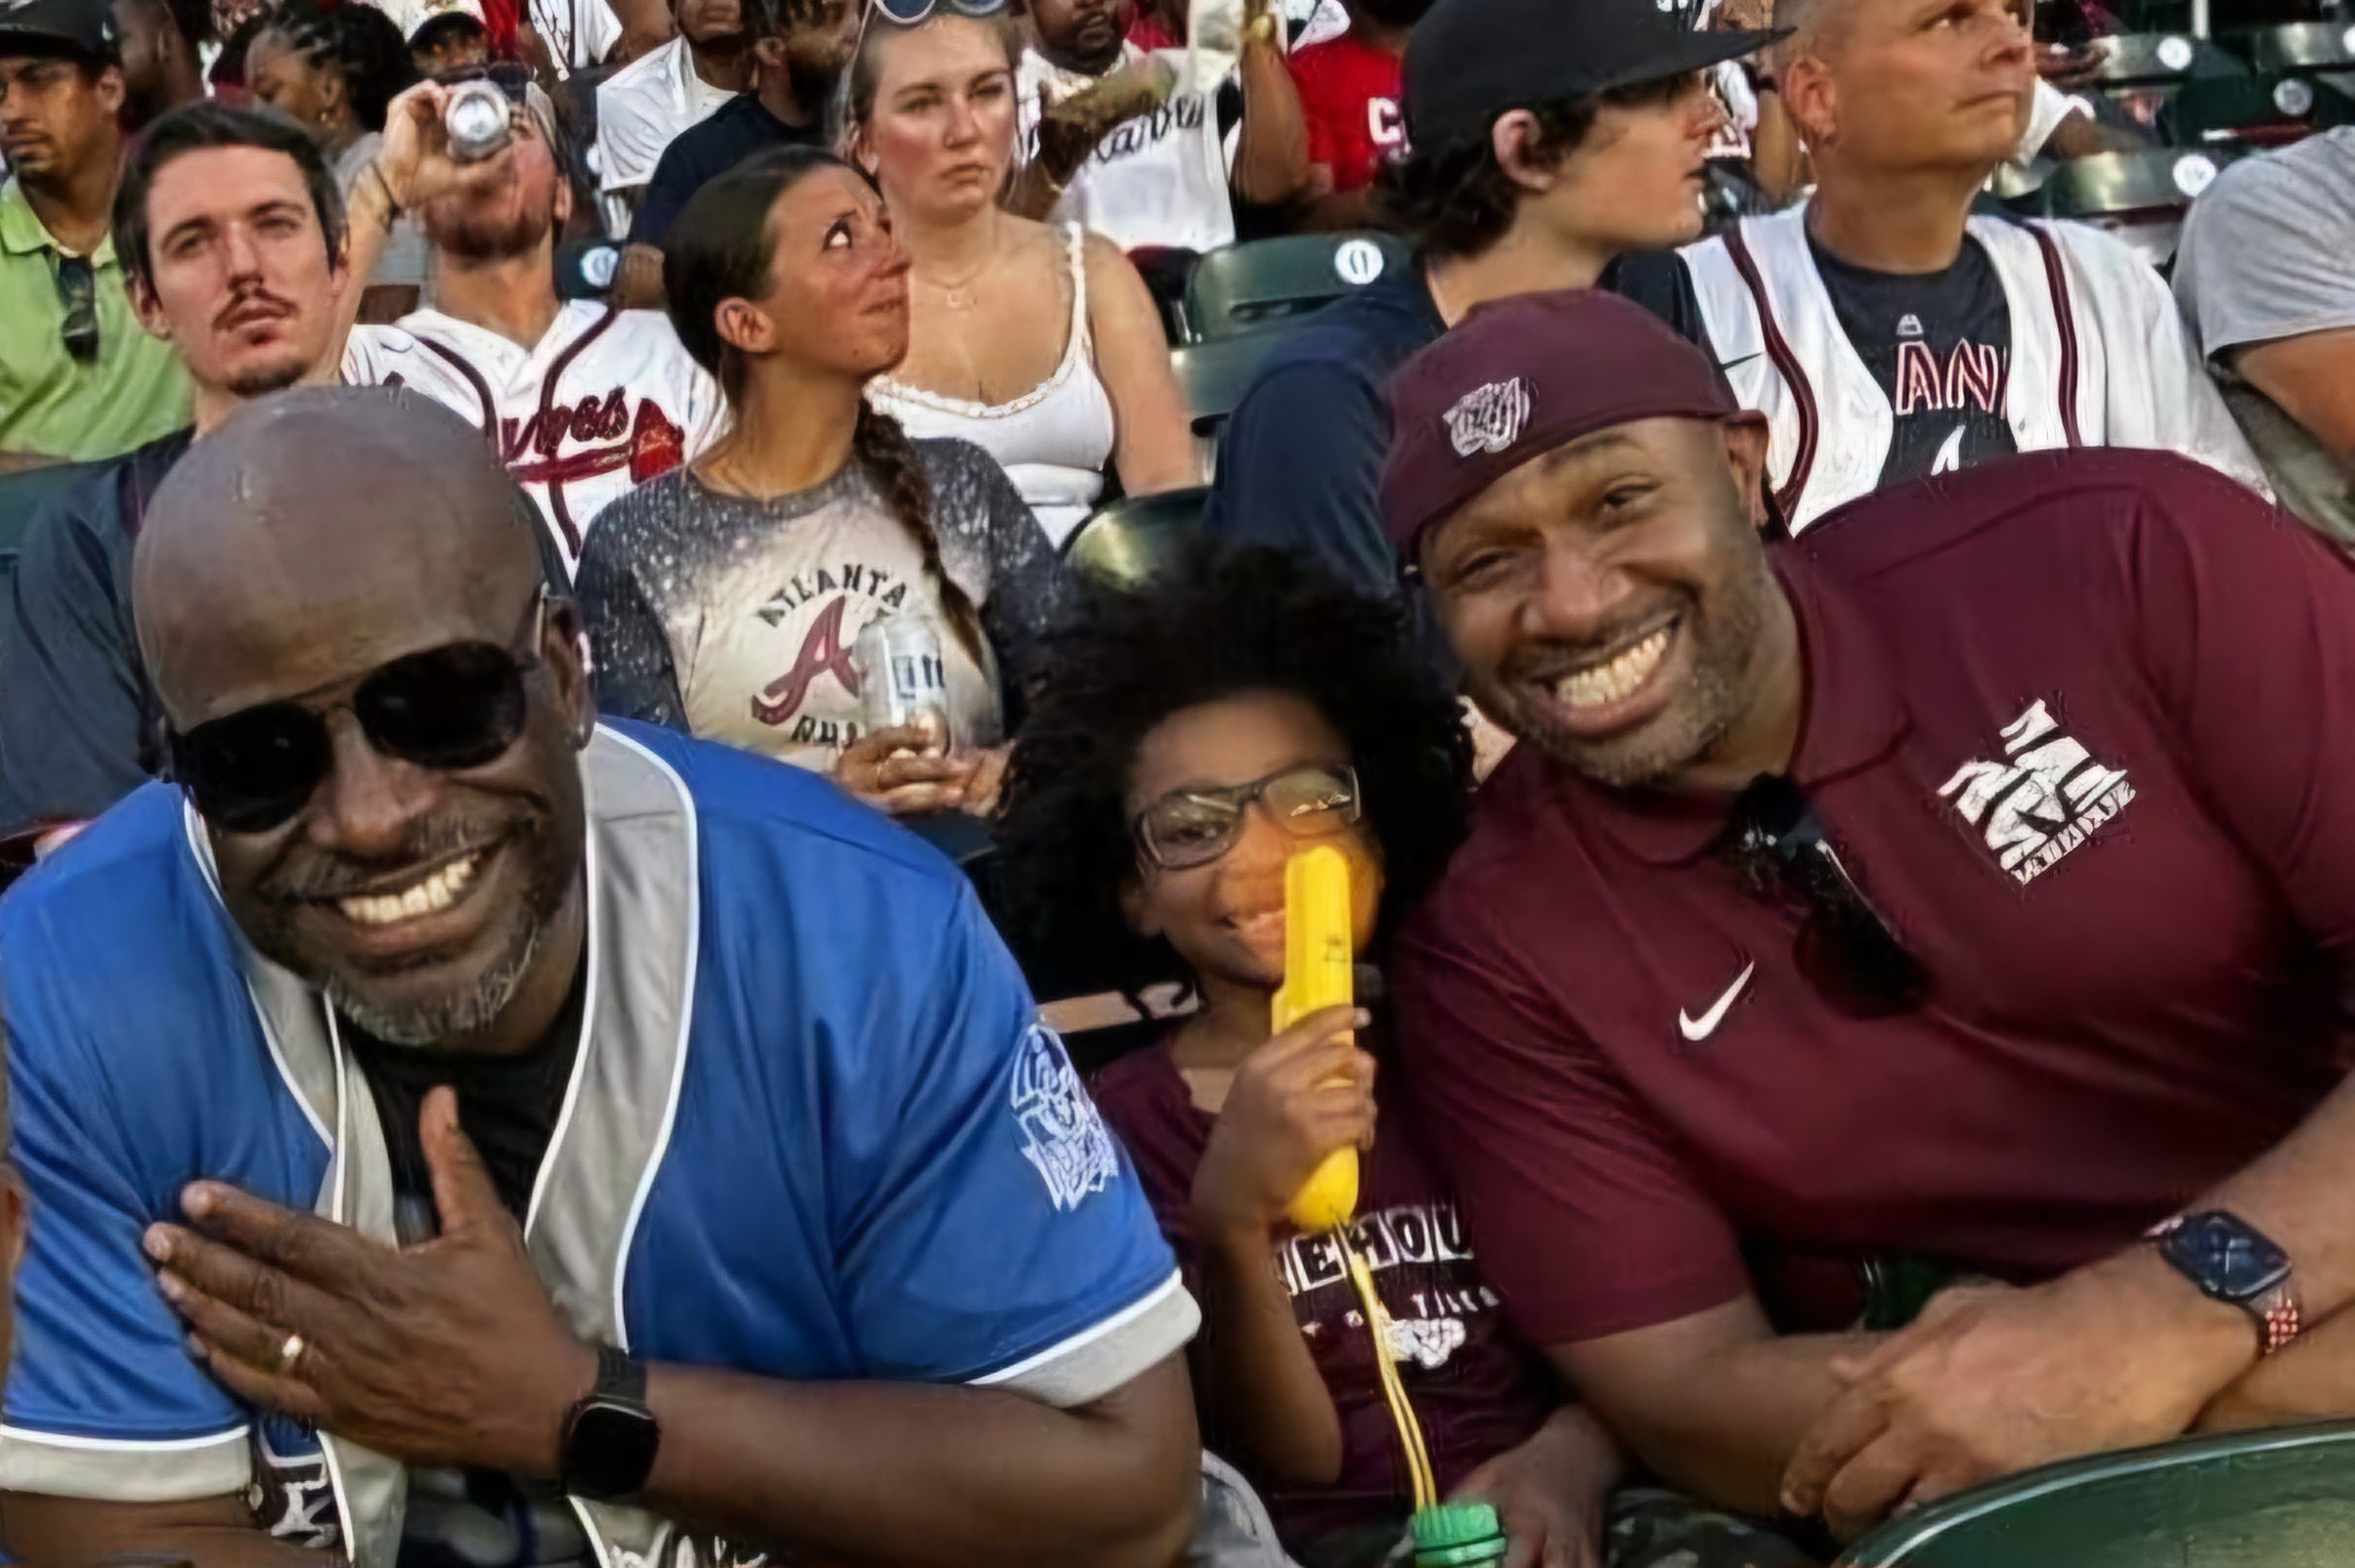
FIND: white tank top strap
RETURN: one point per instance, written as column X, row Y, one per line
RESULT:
column 1081, row 340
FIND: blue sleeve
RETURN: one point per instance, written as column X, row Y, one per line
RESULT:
column 677, row 177
column 99, row 1354
column 1300, row 469
column 989, row 1217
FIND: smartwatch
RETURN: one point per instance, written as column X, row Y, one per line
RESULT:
column 610, row 1436
column 2232, row 1261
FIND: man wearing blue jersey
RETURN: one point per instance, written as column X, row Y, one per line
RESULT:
column 777, row 1221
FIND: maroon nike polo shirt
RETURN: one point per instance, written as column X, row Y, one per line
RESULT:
column 2082, row 727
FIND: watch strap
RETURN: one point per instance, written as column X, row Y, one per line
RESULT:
column 620, row 1378
column 620, row 1385
column 2279, row 1315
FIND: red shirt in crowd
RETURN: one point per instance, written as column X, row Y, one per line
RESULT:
column 1349, row 95
column 2082, row 727
column 1476, row 1388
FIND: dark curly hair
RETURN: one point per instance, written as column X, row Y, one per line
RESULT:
column 1216, row 626
column 1456, row 199
column 353, row 39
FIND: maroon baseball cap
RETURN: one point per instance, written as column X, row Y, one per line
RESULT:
column 1518, row 377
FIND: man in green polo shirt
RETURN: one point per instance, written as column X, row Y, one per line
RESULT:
column 80, row 377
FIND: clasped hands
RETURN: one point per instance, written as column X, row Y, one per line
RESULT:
column 1993, row 1378
column 444, row 1354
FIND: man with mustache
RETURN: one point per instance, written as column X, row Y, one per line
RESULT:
column 777, row 1221
column 232, row 247
column 1888, row 333
column 1960, row 893
column 79, row 379
column 579, row 400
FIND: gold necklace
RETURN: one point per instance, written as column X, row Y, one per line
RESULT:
column 961, row 294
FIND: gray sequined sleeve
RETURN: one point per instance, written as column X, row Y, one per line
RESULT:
column 635, row 674
column 980, row 517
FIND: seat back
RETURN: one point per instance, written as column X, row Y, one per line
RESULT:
column 2132, row 58
column 1126, row 544
column 2120, row 184
column 1243, row 287
column 1213, row 376
column 2303, row 46
column 2281, row 1497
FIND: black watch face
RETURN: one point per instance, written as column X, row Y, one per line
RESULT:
column 611, row 1451
column 2231, row 1261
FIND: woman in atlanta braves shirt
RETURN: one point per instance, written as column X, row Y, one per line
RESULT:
column 725, row 598
column 1183, row 745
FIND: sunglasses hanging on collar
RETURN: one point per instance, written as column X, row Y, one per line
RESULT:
column 1778, row 848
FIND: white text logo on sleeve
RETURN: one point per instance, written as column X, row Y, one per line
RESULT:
column 1064, row 1138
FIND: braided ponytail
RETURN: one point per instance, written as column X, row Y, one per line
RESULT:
column 883, row 449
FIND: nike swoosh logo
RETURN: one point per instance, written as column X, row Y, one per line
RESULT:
column 1727, row 365
column 1697, row 1030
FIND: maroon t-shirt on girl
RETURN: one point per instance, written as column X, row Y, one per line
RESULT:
column 1478, row 1389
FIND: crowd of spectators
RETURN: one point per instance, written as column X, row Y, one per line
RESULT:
column 654, row 719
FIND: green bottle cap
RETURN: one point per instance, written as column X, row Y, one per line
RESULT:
column 1458, row 1534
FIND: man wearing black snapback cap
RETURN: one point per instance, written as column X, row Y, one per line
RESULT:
column 78, row 379
column 1545, row 139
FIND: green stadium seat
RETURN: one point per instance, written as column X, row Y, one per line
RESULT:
column 1127, row 542
column 2281, row 1497
column 2136, row 58
column 1243, row 288
column 1213, row 376
column 2303, row 47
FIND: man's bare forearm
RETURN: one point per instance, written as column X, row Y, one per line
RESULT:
column 917, row 1474
column 209, row 1531
column 1715, row 1403
column 1270, row 151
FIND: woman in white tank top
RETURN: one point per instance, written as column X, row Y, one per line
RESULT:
column 1040, row 345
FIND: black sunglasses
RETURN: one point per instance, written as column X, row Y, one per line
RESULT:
column 77, row 300
column 1843, row 948
column 449, row 708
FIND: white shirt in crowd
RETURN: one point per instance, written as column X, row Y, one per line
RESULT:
column 1159, row 180
column 579, row 33
column 2098, row 356
column 604, row 401
column 643, row 108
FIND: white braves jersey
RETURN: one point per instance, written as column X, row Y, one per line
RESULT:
column 606, row 400
column 2098, row 357
column 1158, row 180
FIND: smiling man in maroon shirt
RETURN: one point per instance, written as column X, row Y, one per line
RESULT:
column 1961, row 890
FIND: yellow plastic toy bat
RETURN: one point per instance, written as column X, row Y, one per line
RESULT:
column 1318, row 955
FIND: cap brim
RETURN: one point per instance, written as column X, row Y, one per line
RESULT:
column 40, row 40
column 1698, row 51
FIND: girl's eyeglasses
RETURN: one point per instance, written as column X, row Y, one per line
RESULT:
column 1188, row 828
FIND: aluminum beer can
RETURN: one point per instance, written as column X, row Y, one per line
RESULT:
column 903, row 679
column 476, row 116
